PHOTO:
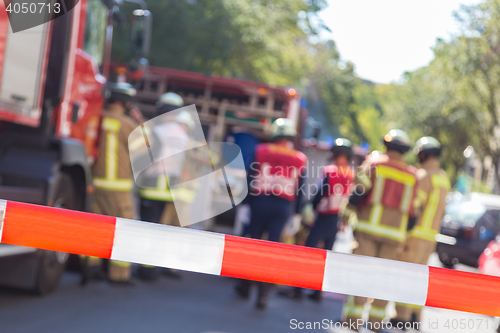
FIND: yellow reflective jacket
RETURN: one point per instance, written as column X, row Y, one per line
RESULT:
column 111, row 170
column 430, row 201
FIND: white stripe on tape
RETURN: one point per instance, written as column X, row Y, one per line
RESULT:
column 3, row 207
column 376, row 278
column 167, row 246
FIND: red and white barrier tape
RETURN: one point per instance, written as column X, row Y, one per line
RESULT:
column 205, row 252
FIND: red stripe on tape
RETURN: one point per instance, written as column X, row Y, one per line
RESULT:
column 463, row 291
column 58, row 229
column 265, row 261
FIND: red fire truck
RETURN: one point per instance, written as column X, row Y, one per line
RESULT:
column 230, row 109
column 51, row 96
column 224, row 104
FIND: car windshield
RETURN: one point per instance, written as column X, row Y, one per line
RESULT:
column 490, row 220
column 465, row 212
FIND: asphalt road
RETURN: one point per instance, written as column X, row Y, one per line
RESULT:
column 197, row 303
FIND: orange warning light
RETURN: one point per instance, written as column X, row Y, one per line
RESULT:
column 121, row 70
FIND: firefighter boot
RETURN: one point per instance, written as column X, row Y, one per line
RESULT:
column 148, row 273
column 171, row 273
column 91, row 269
column 243, row 288
column 293, row 293
column 415, row 321
column 398, row 323
column 263, row 295
column 315, row 296
column 119, row 273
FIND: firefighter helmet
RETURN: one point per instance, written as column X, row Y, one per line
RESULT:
column 342, row 146
column 119, row 92
column 168, row 102
column 428, row 146
column 171, row 98
column 283, row 128
column 397, row 140
column 185, row 118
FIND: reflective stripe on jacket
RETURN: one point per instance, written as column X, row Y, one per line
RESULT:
column 162, row 192
column 430, row 201
column 339, row 181
column 387, row 205
column 111, row 170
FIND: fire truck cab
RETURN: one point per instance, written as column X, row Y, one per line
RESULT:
column 52, row 78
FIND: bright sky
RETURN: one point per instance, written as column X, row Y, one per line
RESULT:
column 385, row 38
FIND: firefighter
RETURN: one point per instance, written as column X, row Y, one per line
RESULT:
column 429, row 206
column 275, row 179
column 156, row 202
column 156, row 198
column 333, row 191
column 112, row 173
column 382, row 199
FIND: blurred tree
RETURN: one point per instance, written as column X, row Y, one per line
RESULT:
column 472, row 62
column 456, row 98
column 370, row 112
column 425, row 106
column 261, row 40
column 335, row 83
column 272, row 41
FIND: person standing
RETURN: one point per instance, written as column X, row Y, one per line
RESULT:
column 156, row 200
column 154, row 193
column 275, row 178
column 112, row 173
column 429, row 206
column 382, row 199
column 333, row 191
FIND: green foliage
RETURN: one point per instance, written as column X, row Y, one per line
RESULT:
column 275, row 42
column 370, row 113
column 259, row 40
column 425, row 106
column 335, row 85
column 456, row 97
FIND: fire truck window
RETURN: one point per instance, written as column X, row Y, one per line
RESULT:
column 58, row 53
column 95, row 34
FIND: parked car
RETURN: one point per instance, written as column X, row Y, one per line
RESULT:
column 468, row 226
column 489, row 261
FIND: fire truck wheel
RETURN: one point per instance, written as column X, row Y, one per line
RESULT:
column 52, row 264
column 51, row 267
